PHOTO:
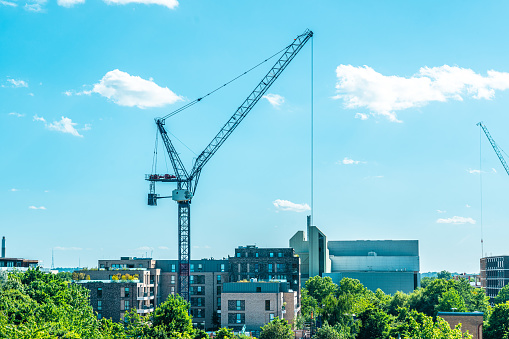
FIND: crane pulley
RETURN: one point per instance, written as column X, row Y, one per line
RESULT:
column 187, row 181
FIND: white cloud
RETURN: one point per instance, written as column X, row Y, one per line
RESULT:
column 60, row 248
column 347, row 161
column 38, row 118
column 494, row 170
column 456, row 220
column 275, row 100
column 35, row 5
column 69, row 3
column 14, row 190
column 37, row 208
column 361, row 116
column 129, row 90
column 384, row 95
column 17, row 83
column 171, row 4
column 8, row 3
column 163, row 248
column 440, row 211
column 285, row 205
column 467, row 206
column 65, row 125
column 17, row 115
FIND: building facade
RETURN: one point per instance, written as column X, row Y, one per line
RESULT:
column 470, row 321
column 254, row 304
column 494, row 274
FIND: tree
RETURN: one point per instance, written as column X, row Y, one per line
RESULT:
column 374, row 324
column 426, row 281
column 399, row 299
column 327, row 332
column 319, row 288
column 503, row 295
column 224, row 333
column 172, row 317
column 444, row 275
column 451, row 300
column 277, row 329
column 498, row 323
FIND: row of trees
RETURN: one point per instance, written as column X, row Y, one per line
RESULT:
column 38, row 305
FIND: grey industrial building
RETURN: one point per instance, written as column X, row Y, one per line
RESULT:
column 391, row 265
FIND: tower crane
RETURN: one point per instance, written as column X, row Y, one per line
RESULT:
column 187, row 181
column 495, row 146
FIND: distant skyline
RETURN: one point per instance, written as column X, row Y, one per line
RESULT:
column 398, row 89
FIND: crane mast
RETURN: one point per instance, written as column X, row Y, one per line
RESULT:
column 495, row 146
column 186, row 183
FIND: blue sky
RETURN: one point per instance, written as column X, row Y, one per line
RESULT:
column 398, row 89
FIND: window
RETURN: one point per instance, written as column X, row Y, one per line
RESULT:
column 102, row 265
column 99, row 316
column 126, row 304
column 192, row 267
column 239, row 318
column 281, row 267
column 219, row 302
column 218, row 289
column 219, row 279
column 172, row 290
column 271, row 316
column 238, row 254
column 270, row 267
column 280, row 254
column 256, row 267
column 191, row 279
column 99, row 305
column 267, row 305
column 256, row 254
column 99, row 292
column 173, row 267
column 258, row 289
column 246, row 255
column 200, row 266
column 271, row 255
column 126, row 292
column 172, row 279
column 222, row 267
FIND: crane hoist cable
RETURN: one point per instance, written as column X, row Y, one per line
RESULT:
column 195, row 101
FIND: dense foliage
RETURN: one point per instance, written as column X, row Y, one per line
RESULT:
column 38, row 305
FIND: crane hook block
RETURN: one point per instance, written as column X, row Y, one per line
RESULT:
column 181, row 195
column 152, row 199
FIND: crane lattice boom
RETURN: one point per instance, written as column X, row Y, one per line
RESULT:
column 495, row 147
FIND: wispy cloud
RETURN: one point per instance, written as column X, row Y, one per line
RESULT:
column 171, row 4
column 467, row 206
column 275, row 100
column 129, row 90
column 440, row 211
column 363, row 87
column 361, row 116
column 165, row 248
column 37, row 208
column 456, row 220
column 69, row 3
column 64, row 125
column 285, row 205
column 61, row 248
column 17, row 115
column 14, row 190
column 348, row 161
column 17, row 83
column 35, row 5
column 473, row 171
column 8, row 3
column 145, row 248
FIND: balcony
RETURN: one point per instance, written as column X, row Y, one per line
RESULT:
column 144, row 296
column 145, row 310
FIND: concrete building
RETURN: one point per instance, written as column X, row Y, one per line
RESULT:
column 254, row 304
column 391, row 265
column 7, row 264
column 313, row 252
column 266, row 264
column 494, row 274
column 470, row 321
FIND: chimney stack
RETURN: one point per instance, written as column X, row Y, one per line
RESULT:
column 3, row 247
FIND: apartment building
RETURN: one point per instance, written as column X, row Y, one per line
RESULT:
column 254, row 304
column 494, row 274
column 266, row 264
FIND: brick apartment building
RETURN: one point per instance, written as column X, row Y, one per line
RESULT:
column 157, row 279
